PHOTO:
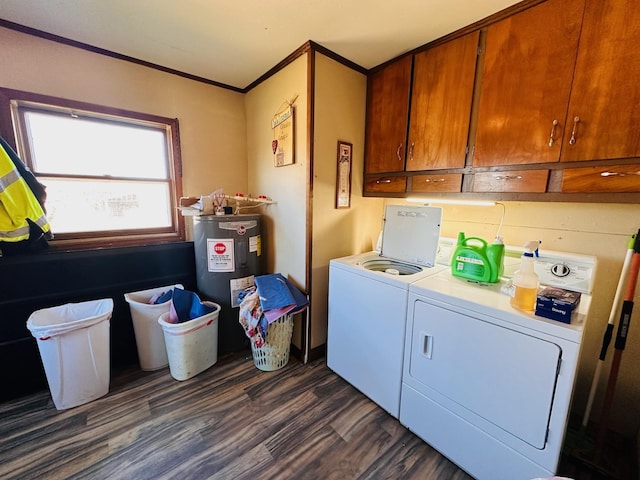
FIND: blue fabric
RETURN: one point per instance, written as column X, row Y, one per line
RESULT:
column 165, row 297
column 274, row 291
column 300, row 298
column 278, row 296
column 188, row 305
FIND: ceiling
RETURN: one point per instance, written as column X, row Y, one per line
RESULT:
column 234, row 42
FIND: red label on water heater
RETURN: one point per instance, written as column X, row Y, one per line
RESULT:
column 219, row 248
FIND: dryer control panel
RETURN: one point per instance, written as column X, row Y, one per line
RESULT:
column 570, row 272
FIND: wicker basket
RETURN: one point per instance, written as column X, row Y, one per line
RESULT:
column 274, row 353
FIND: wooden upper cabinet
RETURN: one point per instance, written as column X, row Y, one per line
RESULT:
column 443, row 79
column 525, row 85
column 606, row 86
column 387, row 117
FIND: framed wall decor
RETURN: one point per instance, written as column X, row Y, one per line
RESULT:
column 343, row 175
column 282, row 144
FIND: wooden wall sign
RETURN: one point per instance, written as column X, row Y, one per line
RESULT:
column 282, row 144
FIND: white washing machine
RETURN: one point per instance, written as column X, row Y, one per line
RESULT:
column 368, row 301
column 485, row 384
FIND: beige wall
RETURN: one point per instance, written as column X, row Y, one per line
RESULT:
column 212, row 120
column 602, row 230
column 284, row 223
column 340, row 95
column 340, row 103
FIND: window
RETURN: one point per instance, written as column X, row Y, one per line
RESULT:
column 111, row 176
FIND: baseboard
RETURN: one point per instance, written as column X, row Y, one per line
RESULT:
column 296, row 353
column 638, row 454
column 318, row 352
column 314, row 354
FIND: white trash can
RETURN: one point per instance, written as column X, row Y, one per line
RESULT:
column 192, row 346
column 73, row 340
column 149, row 338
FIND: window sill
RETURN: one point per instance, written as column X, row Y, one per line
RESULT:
column 108, row 242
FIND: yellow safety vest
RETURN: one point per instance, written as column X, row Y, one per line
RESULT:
column 17, row 203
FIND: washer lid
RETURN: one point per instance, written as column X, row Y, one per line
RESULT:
column 411, row 233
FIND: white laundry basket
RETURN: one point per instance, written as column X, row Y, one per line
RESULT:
column 73, row 340
column 192, row 346
column 274, row 353
column 152, row 352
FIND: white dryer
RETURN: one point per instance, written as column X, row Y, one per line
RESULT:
column 487, row 385
column 368, row 300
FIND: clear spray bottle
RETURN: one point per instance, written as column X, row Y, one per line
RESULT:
column 525, row 279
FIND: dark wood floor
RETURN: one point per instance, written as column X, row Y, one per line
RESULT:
column 230, row 422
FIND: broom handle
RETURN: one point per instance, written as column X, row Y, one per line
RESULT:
column 608, row 334
column 621, row 338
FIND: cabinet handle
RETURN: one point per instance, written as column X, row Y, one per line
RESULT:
column 619, row 174
column 576, row 120
column 552, row 139
column 508, row 177
column 398, row 153
column 427, row 345
column 384, row 180
column 434, row 180
column 411, row 151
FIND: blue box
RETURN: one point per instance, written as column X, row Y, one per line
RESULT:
column 557, row 304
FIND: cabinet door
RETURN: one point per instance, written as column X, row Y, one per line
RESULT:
column 525, row 84
column 387, row 117
column 443, row 79
column 606, row 92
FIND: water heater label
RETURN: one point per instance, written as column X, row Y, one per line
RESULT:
column 255, row 245
column 220, row 255
column 237, row 285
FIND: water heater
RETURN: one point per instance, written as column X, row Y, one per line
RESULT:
column 228, row 252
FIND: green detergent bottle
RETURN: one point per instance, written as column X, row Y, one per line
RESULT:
column 474, row 260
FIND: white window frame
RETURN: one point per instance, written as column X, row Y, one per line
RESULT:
column 13, row 105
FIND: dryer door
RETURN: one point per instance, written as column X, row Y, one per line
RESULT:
column 504, row 376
